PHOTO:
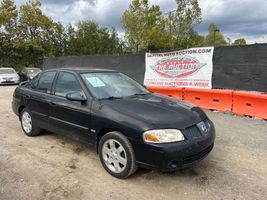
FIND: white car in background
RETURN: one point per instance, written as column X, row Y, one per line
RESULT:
column 8, row 76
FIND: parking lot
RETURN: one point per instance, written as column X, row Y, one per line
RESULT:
column 53, row 167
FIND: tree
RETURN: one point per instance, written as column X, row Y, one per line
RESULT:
column 70, row 40
column 54, row 40
column 116, row 45
column 28, row 36
column 145, row 27
column 132, row 22
column 33, row 25
column 214, row 37
column 40, row 31
column 8, row 30
column 29, row 55
column 8, row 17
column 194, row 40
column 181, row 22
column 91, row 39
column 240, row 41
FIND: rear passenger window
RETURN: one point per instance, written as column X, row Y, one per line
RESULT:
column 45, row 82
column 67, row 82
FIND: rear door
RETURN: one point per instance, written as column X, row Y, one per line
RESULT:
column 70, row 118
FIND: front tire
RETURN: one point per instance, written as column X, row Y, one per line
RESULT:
column 27, row 123
column 117, row 155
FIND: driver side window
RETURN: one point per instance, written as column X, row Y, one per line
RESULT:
column 67, row 82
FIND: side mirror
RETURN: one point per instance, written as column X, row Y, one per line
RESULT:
column 76, row 96
column 23, row 83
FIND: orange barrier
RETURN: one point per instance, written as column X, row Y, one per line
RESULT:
column 250, row 104
column 220, row 100
column 168, row 91
column 241, row 103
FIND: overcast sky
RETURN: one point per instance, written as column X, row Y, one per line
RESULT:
column 235, row 18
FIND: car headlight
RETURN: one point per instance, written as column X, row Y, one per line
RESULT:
column 163, row 136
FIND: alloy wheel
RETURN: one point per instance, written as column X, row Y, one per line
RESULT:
column 114, row 155
column 26, row 122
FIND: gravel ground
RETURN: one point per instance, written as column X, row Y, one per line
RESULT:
column 53, row 167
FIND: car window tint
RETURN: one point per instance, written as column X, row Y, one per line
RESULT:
column 67, row 82
column 46, row 81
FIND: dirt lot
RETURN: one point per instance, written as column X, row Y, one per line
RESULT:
column 53, row 167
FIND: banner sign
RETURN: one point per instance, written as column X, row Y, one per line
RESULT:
column 190, row 68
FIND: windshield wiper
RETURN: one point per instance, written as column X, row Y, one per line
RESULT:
column 139, row 94
column 111, row 98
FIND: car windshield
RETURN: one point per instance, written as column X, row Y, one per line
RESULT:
column 7, row 71
column 33, row 71
column 112, row 85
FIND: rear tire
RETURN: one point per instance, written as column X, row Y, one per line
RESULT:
column 117, row 155
column 27, row 123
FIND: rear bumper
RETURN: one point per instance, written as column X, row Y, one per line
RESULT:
column 9, row 82
column 170, row 157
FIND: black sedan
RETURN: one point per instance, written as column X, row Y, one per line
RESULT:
column 129, row 126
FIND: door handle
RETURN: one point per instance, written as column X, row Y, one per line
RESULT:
column 53, row 104
column 27, row 96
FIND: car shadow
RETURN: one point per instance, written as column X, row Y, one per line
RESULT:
column 195, row 171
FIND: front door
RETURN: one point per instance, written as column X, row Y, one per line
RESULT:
column 70, row 118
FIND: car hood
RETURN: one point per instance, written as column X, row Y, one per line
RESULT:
column 8, row 75
column 157, row 111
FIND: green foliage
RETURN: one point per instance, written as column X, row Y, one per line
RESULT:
column 20, row 54
column 39, row 30
column 8, row 17
column 240, row 41
column 90, row 39
column 182, row 22
column 145, row 27
column 23, row 34
column 28, row 36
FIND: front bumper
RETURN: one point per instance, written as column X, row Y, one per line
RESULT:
column 173, row 156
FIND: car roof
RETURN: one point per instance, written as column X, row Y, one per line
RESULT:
column 82, row 70
column 31, row 68
column 6, row 68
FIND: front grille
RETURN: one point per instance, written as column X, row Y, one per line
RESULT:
column 197, row 156
column 192, row 132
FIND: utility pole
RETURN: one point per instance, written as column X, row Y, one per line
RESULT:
column 214, row 36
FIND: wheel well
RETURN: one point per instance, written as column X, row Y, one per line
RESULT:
column 101, row 133
column 20, row 109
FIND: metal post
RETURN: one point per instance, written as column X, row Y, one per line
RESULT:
column 214, row 36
